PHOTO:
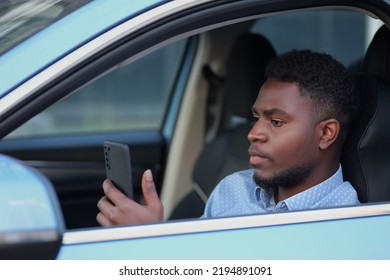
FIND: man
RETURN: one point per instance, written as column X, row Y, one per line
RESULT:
column 302, row 116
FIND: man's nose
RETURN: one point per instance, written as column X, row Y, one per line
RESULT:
column 258, row 133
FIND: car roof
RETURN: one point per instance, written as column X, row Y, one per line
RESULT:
column 61, row 37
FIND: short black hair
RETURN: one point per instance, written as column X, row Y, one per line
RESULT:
column 329, row 85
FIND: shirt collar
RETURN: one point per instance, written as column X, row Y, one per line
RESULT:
column 305, row 199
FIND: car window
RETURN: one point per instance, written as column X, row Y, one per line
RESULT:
column 132, row 96
column 321, row 31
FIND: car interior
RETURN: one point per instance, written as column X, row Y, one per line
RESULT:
column 208, row 135
column 227, row 152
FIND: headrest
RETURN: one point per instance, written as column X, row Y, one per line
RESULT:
column 374, row 148
column 245, row 72
column 354, row 157
column 378, row 55
column 366, row 155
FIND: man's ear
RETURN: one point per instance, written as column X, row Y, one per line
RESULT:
column 328, row 130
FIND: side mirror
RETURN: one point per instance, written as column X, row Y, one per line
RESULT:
column 31, row 222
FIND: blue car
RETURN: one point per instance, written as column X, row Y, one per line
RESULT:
column 159, row 76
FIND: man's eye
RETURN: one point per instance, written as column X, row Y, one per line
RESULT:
column 277, row 123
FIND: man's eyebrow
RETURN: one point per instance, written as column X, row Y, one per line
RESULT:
column 272, row 111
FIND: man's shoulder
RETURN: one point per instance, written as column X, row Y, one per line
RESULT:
column 344, row 195
column 243, row 178
column 234, row 190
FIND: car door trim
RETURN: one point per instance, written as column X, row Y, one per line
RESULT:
column 221, row 224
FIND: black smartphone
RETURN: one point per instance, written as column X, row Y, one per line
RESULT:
column 118, row 166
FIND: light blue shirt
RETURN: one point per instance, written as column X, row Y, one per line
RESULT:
column 237, row 194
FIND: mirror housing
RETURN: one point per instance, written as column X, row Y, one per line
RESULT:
column 31, row 221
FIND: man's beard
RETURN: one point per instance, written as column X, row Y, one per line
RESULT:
column 287, row 178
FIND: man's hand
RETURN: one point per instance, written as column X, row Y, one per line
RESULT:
column 117, row 209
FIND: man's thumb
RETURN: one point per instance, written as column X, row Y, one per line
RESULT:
column 149, row 189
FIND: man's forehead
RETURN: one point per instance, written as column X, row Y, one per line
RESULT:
column 280, row 97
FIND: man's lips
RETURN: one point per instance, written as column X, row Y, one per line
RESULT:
column 255, row 160
column 256, row 157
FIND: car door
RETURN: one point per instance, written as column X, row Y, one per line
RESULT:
column 323, row 234
column 183, row 22
column 118, row 93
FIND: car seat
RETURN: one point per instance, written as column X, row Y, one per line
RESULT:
column 228, row 152
column 366, row 153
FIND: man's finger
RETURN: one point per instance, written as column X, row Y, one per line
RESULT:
column 102, row 220
column 149, row 190
column 105, row 206
column 112, row 193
